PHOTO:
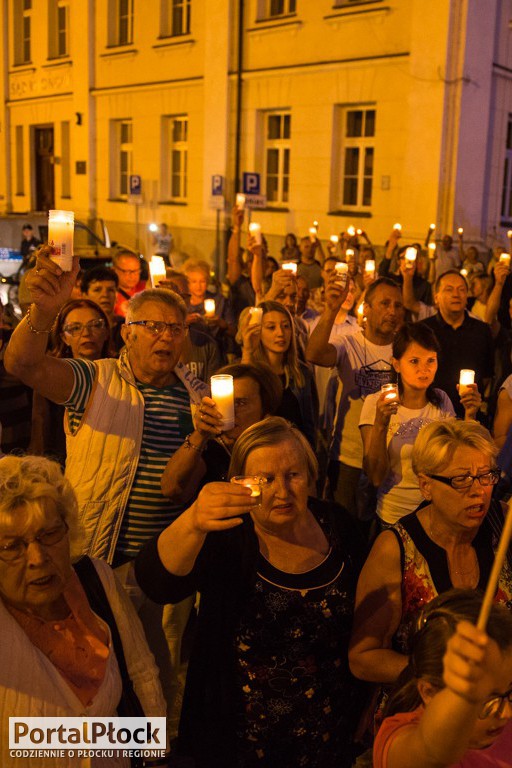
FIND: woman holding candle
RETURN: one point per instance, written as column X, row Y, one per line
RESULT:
column 268, row 680
column 273, row 342
column 453, row 704
column 218, row 317
column 389, row 426
column 205, row 455
column 449, row 541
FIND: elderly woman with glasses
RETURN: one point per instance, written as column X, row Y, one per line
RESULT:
column 63, row 654
column 268, row 680
column 449, row 541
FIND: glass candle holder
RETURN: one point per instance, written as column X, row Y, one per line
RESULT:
column 61, row 228
column 290, row 266
column 390, row 391
column 209, row 307
column 254, row 482
column 255, row 315
column 466, row 377
column 255, row 230
column 223, row 395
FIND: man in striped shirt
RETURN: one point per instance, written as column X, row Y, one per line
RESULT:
column 125, row 417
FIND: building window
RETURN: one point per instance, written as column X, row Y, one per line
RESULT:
column 175, row 17
column 357, row 158
column 120, row 30
column 506, row 198
column 58, row 28
column 20, row 166
column 22, row 30
column 122, row 158
column 277, row 156
column 175, row 154
column 275, row 8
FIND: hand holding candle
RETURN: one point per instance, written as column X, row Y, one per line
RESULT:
column 157, row 270
column 255, row 230
column 341, row 270
column 390, row 391
column 240, row 201
column 223, row 395
column 505, row 259
column 466, row 378
column 289, row 266
column 410, row 257
column 369, row 267
column 254, row 482
column 255, row 315
column 61, row 227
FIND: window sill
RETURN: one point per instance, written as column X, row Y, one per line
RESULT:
column 57, row 61
column 171, row 41
column 354, row 213
column 118, row 50
column 172, row 202
column 273, row 209
column 340, row 11
column 17, row 68
column 117, row 200
column 268, row 25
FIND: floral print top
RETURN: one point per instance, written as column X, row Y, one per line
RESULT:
column 298, row 699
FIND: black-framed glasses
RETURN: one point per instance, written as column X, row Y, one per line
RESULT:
column 461, row 482
column 158, row 327
column 129, row 271
column 493, row 707
column 76, row 329
column 17, row 548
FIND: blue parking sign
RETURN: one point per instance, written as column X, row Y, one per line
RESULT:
column 217, row 185
column 251, row 183
column 135, row 184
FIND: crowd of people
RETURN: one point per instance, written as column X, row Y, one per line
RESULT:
column 302, row 587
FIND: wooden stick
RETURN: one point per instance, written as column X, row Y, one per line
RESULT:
column 496, row 570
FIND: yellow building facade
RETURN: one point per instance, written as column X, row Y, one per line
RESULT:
column 352, row 112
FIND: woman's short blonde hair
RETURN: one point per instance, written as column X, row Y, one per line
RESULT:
column 438, row 441
column 196, row 265
column 27, row 483
column 263, row 434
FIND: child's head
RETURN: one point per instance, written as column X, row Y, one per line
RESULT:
column 423, row 677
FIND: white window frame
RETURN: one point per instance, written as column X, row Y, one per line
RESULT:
column 175, row 131
column 22, row 31
column 176, row 18
column 121, row 158
column 58, row 28
column 362, row 143
column 279, row 147
column 116, row 34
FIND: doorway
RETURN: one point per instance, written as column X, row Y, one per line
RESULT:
column 44, row 168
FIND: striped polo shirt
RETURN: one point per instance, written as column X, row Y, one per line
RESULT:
column 167, row 421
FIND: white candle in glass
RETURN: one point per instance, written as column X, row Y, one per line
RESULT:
column 312, row 234
column 351, row 231
column 254, row 482
column 466, row 377
column 464, row 272
column 431, row 250
column 157, row 270
column 410, row 257
column 223, row 395
column 289, row 266
column 359, row 231
column 209, row 307
column 349, row 252
column 61, row 227
column 369, row 266
column 505, row 259
column 255, row 315
column 398, row 227
column 390, row 391
column 240, row 201
column 432, row 227
column 255, row 230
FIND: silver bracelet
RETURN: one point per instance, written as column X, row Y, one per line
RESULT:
column 34, row 330
column 188, row 444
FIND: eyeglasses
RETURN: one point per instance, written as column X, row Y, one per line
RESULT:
column 76, row 329
column 9, row 553
column 461, row 482
column 129, row 271
column 494, row 707
column 158, row 327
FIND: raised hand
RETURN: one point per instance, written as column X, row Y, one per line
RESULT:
column 220, row 506
column 49, row 286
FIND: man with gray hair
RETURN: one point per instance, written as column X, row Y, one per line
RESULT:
column 124, row 418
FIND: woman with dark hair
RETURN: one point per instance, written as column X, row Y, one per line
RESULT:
column 81, row 331
column 290, row 251
column 273, row 342
column 205, row 454
column 452, row 705
column 391, row 420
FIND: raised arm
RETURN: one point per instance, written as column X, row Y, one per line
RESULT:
column 319, row 350
column 377, row 614
column 376, row 458
column 25, row 355
column 234, row 267
column 259, row 262
column 501, row 272
column 186, row 468
column 410, row 301
column 218, row 507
